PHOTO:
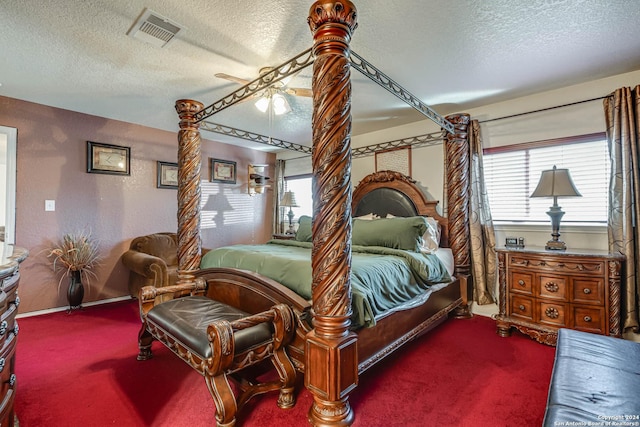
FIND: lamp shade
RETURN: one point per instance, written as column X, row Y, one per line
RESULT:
column 280, row 104
column 262, row 103
column 555, row 183
column 288, row 200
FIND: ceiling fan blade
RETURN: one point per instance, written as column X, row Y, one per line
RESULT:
column 299, row 91
column 232, row 78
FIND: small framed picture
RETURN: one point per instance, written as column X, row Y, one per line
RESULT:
column 108, row 158
column 167, row 175
column 223, row 171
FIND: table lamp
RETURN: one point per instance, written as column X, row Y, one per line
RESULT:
column 555, row 183
column 289, row 201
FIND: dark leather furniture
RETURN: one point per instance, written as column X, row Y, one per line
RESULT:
column 220, row 342
column 595, row 379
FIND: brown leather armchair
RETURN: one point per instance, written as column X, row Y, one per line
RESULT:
column 152, row 260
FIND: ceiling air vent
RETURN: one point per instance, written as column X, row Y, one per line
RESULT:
column 154, row 28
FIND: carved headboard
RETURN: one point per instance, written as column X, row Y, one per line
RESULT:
column 389, row 192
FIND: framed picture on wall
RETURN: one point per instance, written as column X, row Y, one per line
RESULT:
column 223, row 171
column 108, row 158
column 167, row 175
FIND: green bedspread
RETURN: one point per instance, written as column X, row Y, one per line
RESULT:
column 381, row 278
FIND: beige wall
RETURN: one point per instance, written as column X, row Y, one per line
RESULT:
column 52, row 166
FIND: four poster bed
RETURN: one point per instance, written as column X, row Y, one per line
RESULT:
column 325, row 345
column 246, row 276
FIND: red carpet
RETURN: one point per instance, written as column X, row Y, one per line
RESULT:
column 81, row 370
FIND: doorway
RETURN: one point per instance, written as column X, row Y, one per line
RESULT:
column 8, row 145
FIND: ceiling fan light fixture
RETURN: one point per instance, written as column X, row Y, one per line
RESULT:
column 262, row 104
column 280, row 104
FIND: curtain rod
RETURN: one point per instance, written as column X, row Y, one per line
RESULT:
column 544, row 109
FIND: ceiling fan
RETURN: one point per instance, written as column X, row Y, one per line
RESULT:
column 274, row 95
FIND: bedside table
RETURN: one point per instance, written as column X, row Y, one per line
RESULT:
column 283, row 236
column 542, row 291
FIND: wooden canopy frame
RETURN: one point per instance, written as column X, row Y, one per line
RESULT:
column 330, row 346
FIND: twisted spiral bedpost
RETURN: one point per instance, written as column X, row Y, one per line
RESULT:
column 615, row 327
column 457, row 166
column 331, row 357
column 189, row 161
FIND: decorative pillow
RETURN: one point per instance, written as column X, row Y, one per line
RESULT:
column 397, row 233
column 304, row 229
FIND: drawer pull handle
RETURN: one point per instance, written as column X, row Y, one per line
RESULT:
column 521, row 282
column 521, row 307
column 3, row 327
column 552, row 312
column 12, row 380
column 2, row 362
column 587, row 318
column 551, row 287
column 586, row 291
column 15, row 330
column 16, row 302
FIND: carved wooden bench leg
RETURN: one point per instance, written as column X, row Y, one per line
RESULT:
column 224, row 400
column 218, row 340
column 144, row 343
column 286, row 370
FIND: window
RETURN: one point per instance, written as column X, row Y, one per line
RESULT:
column 513, row 172
column 301, row 187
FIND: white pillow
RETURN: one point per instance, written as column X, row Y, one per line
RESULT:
column 368, row 216
column 430, row 239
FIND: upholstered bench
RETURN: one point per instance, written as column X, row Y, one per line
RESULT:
column 218, row 340
column 595, row 381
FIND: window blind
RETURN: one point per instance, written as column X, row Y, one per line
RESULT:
column 511, row 175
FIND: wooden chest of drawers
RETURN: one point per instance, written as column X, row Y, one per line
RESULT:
column 542, row 291
column 9, row 301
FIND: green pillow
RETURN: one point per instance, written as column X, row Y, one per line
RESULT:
column 304, row 229
column 396, row 233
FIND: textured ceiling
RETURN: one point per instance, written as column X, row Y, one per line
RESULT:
column 453, row 55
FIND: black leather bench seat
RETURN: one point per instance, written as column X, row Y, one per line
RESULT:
column 186, row 319
column 595, row 379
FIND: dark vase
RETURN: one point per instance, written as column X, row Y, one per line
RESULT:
column 75, row 293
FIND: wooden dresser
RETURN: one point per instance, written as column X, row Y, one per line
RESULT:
column 9, row 278
column 542, row 291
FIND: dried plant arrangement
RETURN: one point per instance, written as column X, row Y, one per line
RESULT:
column 75, row 252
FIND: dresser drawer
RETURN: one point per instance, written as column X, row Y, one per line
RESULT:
column 551, row 313
column 8, row 325
column 588, row 290
column 7, row 354
column 572, row 266
column 521, row 283
column 553, row 287
column 521, row 307
column 589, row 319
